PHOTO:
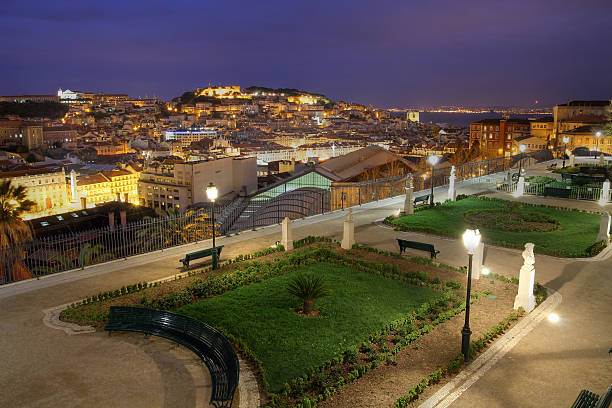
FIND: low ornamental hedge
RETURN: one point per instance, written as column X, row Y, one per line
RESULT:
column 456, row 363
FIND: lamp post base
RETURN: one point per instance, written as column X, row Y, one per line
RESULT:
column 465, row 343
column 215, row 262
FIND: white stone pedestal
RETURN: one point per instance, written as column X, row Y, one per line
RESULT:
column 571, row 157
column 348, row 236
column 520, row 186
column 477, row 259
column 604, row 228
column 605, row 193
column 287, row 236
column 408, row 203
column 525, row 298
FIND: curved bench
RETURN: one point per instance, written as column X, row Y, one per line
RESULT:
column 209, row 344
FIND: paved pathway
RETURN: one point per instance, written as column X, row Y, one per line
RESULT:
column 44, row 367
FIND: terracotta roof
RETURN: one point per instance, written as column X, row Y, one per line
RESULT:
column 354, row 163
column 587, row 103
column 93, row 179
column 27, row 172
column 115, row 173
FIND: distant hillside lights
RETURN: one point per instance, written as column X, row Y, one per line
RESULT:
column 303, row 99
column 224, row 92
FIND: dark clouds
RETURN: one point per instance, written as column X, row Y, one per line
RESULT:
column 387, row 53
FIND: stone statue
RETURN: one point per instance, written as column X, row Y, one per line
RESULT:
column 528, row 257
column 452, row 192
column 525, row 298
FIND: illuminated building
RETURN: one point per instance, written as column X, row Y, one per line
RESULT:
column 46, row 187
column 412, row 116
column 532, row 144
column 113, row 185
column 496, row 135
column 29, row 98
column 18, row 133
column 542, row 128
column 110, row 149
column 187, row 136
column 303, row 99
column 59, row 135
column 181, row 184
column 586, row 136
column 305, row 153
column 223, row 92
column 69, row 96
column 575, row 114
column 110, row 99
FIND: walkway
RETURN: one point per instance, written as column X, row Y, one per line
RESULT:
column 44, row 367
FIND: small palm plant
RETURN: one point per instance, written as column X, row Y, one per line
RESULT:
column 308, row 288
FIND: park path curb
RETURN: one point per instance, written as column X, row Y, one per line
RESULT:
column 247, row 387
column 446, row 395
column 52, row 319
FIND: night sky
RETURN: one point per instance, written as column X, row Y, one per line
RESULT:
column 384, row 53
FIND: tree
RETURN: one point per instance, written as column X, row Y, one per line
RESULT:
column 308, row 287
column 13, row 230
column 172, row 227
column 13, row 204
column 68, row 259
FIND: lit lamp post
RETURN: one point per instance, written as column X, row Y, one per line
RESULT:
column 433, row 160
column 212, row 193
column 522, row 149
column 565, row 140
column 597, row 135
column 471, row 239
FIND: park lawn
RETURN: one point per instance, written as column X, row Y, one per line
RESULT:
column 262, row 315
column 577, row 232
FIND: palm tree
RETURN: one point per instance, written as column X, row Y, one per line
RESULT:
column 308, row 288
column 92, row 254
column 13, row 203
column 88, row 255
column 13, row 230
column 172, row 227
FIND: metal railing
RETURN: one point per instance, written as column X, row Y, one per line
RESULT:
column 43, row 256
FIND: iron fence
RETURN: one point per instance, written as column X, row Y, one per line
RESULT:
column 43, row 256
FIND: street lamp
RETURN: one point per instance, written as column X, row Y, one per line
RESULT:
column 597, row 135
column 565, row 140
column 522, row 149
column 212, row 193
column 433, row 160
column 471, row 239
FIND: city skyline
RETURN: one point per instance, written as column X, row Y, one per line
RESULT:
column 384, row 54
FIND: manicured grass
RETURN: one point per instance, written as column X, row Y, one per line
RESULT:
column 577, row 231
column 262, row 315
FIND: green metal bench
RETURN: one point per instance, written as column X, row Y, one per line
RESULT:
column 422, row 199
column 206, row 342
column 557, row 192
column 200, row 254
column 588, row 399
column 403, row 244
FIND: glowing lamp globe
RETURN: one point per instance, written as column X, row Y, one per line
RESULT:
column 211, row 192
column 598, row 134
column 471, row 239
column 565, row 139
column 522, row 148
column 433, row 159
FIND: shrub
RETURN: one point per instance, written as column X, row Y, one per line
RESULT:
column 596, row 248
column 308, row 287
